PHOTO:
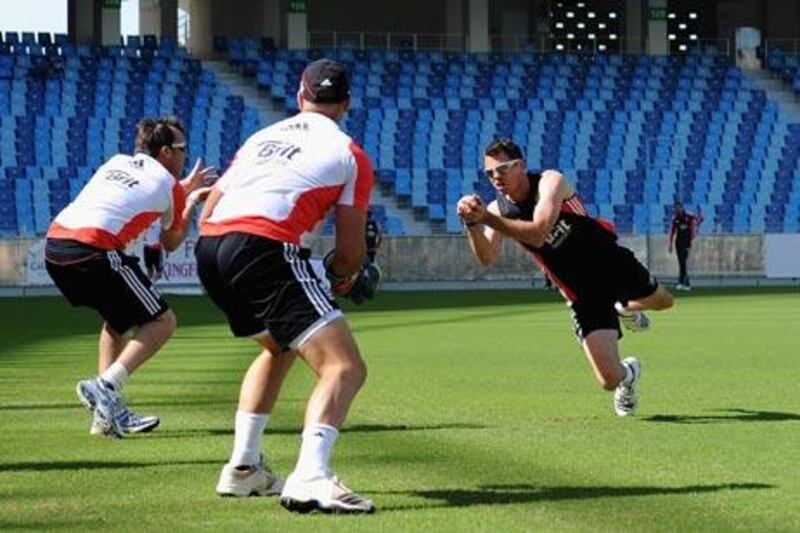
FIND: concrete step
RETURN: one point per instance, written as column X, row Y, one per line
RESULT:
column 271, row 112
column 777, row 91
column 239, row 85
column 411, row 223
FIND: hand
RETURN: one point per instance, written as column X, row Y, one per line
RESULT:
column 198, row 195
column 365, row 284
column 198, row 177
column 340, row 285
column 471, row 209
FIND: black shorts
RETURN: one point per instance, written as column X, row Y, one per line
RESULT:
column 624, row 279
column 153, row 259
column 264, row 286
column 105, row 280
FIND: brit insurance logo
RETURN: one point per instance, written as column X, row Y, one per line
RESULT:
column 277, row 152
column 121, row 178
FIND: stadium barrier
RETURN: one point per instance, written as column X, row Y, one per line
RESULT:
column 448, row 258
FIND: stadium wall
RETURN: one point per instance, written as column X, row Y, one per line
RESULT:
column 448, row 258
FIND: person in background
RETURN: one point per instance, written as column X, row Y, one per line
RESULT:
column 682, row 232
column 373, row 236
column 153, row 252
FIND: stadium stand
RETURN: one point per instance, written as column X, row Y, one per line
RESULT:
column 635, row 132
column 64, row 109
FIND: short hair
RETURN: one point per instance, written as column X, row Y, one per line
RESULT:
column 154, row 133
column 504, row 146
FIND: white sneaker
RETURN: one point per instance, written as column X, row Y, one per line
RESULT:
column 129, row 421
column 682, row 287
column 625, row 396
column 243, row 481
column 105, row 403
column 632, row 320
column 322, row 493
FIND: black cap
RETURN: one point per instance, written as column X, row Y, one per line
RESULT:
column 325, row 82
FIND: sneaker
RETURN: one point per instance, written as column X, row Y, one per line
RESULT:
column 253, row 480
column 322, row 493
column 129, row 421
column 682, row 287
column 625, row 396
column 105, row 403
column 632, row 320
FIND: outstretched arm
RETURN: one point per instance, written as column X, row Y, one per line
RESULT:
column 553, row 190
column 172, row 237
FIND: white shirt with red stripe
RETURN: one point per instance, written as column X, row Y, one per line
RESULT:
column 287, row 177
column 124, row 197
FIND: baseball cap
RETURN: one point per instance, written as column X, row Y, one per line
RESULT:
column 325, row 81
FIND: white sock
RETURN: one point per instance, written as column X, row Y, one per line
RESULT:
column 116, row 375
column 247, row 438
column 315, row 451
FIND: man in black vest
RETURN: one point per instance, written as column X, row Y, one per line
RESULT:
column 681, row 234
column 601, row 280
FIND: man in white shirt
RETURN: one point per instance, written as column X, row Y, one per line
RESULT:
column 253, row 260
column 85, row 257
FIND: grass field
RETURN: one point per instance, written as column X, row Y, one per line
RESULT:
column 475, row 416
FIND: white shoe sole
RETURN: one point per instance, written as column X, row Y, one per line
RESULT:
column 233, row 492
column 309, row 506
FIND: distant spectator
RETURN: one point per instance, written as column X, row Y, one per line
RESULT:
column 373, row 236
column 153, row 252
column 681, row 234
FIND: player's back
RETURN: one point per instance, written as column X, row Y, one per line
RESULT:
column 124, row 197
column 286, row 177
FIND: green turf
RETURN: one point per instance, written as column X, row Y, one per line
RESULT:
column 479, row 413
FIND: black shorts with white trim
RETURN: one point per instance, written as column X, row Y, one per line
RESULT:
column 623, row 279
column 263, row 285
column 105, row 280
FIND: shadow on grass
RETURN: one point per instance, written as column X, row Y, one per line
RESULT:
column 152, row 403
column 732, row 415
column 461, row 319
column 48, row 466
column 525, row 493
column 50, row 524
column 356, row 428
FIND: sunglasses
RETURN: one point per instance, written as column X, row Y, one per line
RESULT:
column 179, row 146
column 501, row 169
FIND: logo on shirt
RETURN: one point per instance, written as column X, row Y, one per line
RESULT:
column 270, row 151
column 121, row 178
column 559, row 233
column 295, row 126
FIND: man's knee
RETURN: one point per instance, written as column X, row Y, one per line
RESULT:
column 665, row 301
column 661, row 300
column 353, row 372
column 167, row 323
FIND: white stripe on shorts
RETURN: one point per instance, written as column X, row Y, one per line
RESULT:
column 313, row 291
column 134, row 283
